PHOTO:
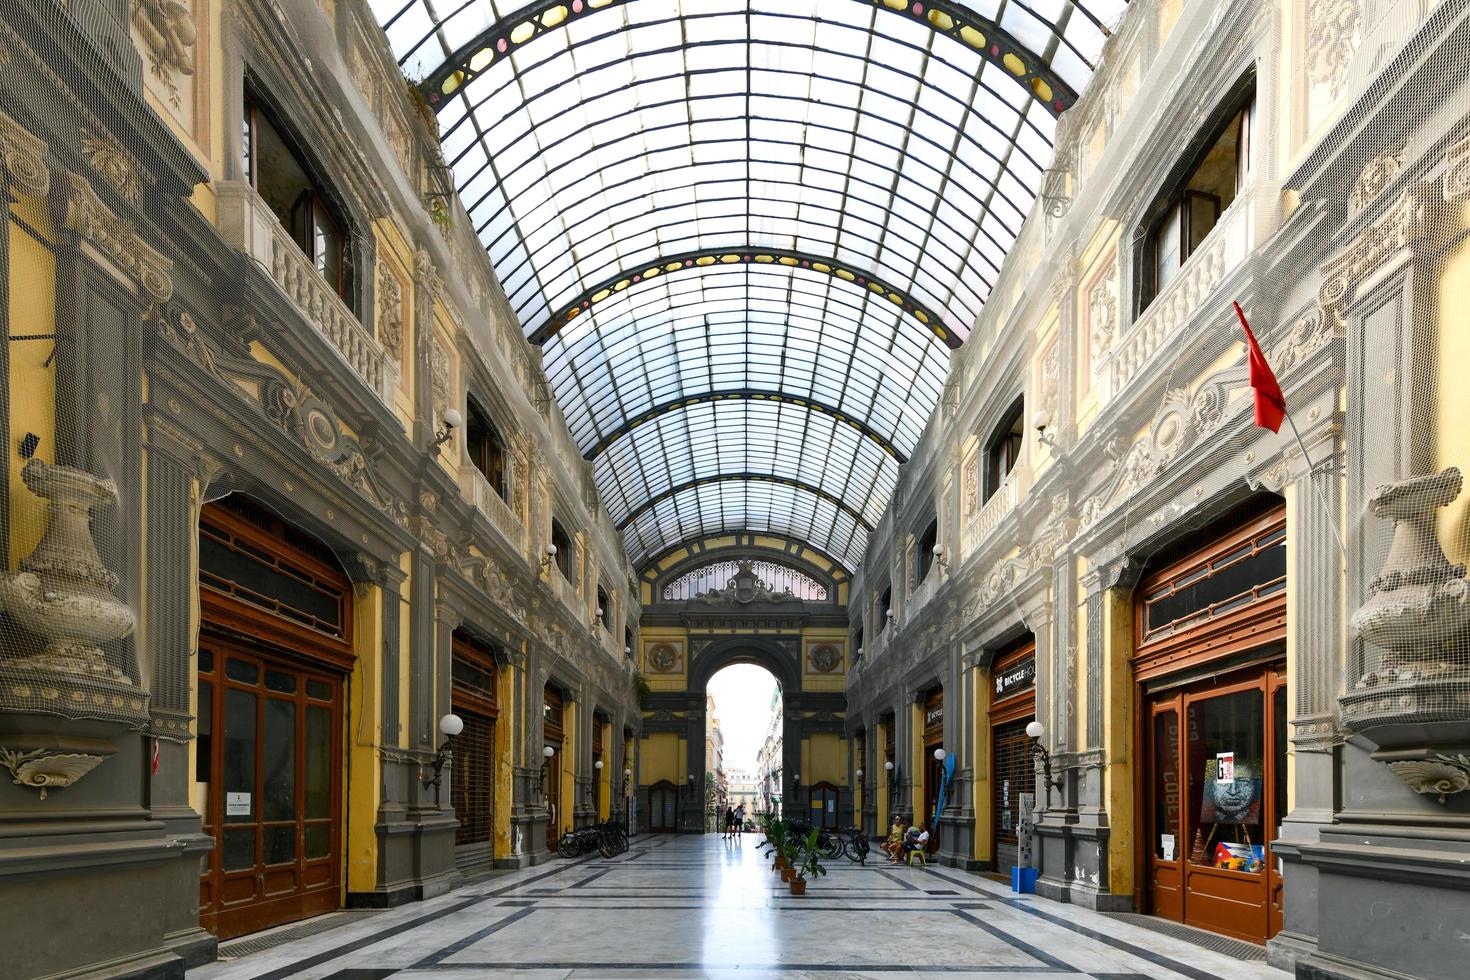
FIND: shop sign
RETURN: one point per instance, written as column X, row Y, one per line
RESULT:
column 1013, row 679
column 934, row 716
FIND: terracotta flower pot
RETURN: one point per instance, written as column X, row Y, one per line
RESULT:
column 780, row 863
column 798, row 886
column 787, row 874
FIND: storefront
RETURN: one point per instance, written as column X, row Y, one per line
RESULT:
column 1211, row 631
column 274, row 653
column 825, row 799
column 1012, row 708
column 933, row 768
column 474, row 677
column 551, row 729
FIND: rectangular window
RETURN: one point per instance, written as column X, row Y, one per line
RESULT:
column 1195, row 206
column 275, row 169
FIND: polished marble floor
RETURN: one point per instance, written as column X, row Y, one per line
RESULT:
column 675, row 907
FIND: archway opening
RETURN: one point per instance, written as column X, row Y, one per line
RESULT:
column 744, row 744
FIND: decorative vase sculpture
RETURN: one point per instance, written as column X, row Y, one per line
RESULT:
column 1413, row 699
column 63, row 593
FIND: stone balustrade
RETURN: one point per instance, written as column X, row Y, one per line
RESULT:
column 247, row 223
column 1192, row 289
column 478, row 491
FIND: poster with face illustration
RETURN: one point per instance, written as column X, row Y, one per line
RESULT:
column 1233, row 800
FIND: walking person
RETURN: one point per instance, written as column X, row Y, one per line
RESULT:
column 740, row 819
column 729, row 823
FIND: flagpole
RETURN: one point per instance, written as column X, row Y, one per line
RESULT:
column 1322, row 497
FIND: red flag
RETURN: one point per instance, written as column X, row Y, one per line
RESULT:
column 1270, row 403
column 154, row 766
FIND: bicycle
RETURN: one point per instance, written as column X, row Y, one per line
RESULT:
column 829, row 845
column 856, row 847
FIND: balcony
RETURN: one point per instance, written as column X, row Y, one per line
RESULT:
column 1191, row 290
column 248, row 224
column 567, row 593
column 478, row 491
column 993, row 511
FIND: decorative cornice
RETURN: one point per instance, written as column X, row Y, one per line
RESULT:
column 23, row 157
column 117, row 240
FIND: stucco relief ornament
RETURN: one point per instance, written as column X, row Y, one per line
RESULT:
column 1332, row 41
column 44, row 769
column 1439, row 777
column 167, row 30
column 1102, row 317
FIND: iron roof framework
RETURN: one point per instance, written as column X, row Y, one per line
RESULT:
column 747, row 232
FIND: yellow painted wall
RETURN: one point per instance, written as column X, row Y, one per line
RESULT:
column 506, row 689
column 981, row 767
column 660, row 756
column 603, row 793
column 1118, row 707
column 32, row 383
column 1452, row 439
column 824, row 760
column 571, row 717
column 363, row 731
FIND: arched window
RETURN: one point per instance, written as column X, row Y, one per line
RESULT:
column 885, row 606
column 563, row 545
column 487, row 451
column 1004, row 448
column 604, row 609
column 924, row 553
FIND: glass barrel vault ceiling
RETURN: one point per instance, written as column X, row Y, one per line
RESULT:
column 747, row 233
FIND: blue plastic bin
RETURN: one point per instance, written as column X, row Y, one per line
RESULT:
column 1024, row 880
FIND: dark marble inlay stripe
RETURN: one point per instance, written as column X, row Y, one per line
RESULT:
column 1020, row 944
column 643, row 968
column 460, row 945
column 1158, row 959
column 326, row 956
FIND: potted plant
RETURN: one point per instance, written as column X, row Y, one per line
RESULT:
column 776, row 841
column 791, row 848
column 810, row 865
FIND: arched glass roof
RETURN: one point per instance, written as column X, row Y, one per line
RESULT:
column 725, row 199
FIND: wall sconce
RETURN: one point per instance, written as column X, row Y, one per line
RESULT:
column 547, row 753
column 452, row 421
column 627, row 782
column 548, row 557
column 859, row 774
column 1042, row 423
column 892, row 619
column 596, row 620
column 796, row 778
column 939, row 755
column 939, row 558
column 892, row 779
column 597, row 765
column 449, row 726
column 858, row 654
column 1034, row 731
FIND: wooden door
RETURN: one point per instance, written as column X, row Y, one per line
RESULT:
column 1217, row 787
column 663, row 806
column 825, row 804
column 269, row 755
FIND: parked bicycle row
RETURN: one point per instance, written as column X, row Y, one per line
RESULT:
column 608, row 839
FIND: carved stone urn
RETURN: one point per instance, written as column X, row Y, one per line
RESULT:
column 1413, row 698
column 62, row 592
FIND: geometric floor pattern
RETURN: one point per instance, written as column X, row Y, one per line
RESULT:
column 700, row 906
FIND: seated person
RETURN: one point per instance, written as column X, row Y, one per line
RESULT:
column 891, row 844
column 917, row 839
